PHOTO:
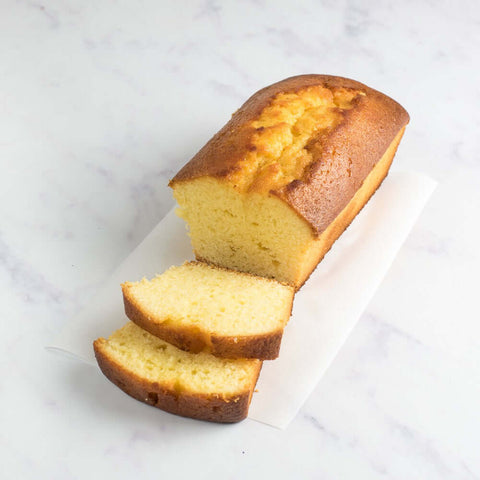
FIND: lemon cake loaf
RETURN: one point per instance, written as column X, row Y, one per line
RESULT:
column 271, row 192
column 192, row 385
column 199, row 307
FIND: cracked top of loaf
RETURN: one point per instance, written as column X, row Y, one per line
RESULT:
column 310, row 140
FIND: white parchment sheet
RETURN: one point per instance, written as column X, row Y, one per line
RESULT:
column 325, row 309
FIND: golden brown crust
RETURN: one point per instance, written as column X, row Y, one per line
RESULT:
column 212, row 407
column 194, row 340
column 370, row 185
column 263, row 347
column 342, row 158
column 322, row 244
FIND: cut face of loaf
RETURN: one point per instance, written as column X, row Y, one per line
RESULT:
column 271, row 192
column 192, row 385
column 199, row 307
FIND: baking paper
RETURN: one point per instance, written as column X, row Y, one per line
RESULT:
column 325, row 309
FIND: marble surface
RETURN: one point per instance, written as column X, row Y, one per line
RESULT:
column 101, row 102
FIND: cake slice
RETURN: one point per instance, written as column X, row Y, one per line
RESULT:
column 198, row 307
column 271, row 192
column 199, row 385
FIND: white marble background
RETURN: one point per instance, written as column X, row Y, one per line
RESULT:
column 101, row 102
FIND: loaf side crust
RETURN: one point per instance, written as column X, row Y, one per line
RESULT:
column 193, row 339
column 362, row 196
column 342, row 159
column 209, row 407
column 324, row 242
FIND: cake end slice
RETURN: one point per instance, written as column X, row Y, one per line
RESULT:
column 198, row 386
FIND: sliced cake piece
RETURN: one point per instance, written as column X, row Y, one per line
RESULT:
column 192, row 385
column 199, row 307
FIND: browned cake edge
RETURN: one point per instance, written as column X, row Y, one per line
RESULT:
column 210, row 407
column 370, row 185
column 193, row 339
column 327, row 238
column 344, row 159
